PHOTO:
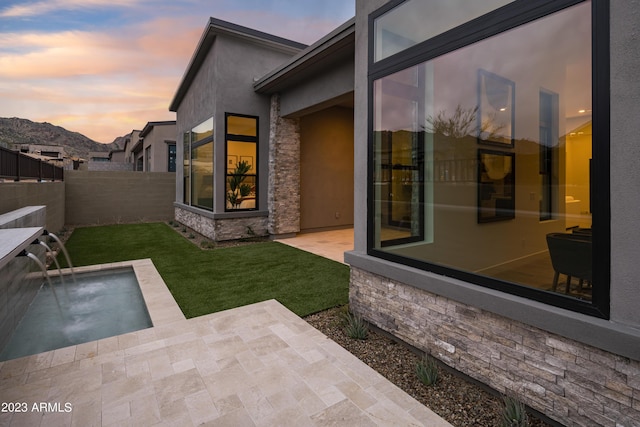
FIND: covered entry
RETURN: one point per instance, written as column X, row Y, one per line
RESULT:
column 311, row 137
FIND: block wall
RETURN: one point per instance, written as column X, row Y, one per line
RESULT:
column 17, row 195
column 94, row 197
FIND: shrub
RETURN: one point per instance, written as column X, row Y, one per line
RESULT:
column 427, row 370
column 355, row 326
column 514, row 413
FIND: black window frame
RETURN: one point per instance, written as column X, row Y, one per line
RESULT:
column 171, row 156
column 498, row 21
column 242, row 138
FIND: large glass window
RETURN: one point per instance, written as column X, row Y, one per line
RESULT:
column 242, row 162
column 481, row 156
column 415, row 21
column 201, row 177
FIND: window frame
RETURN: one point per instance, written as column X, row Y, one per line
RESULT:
column 193, row 144
column 242, row 138
column 498, row 21
column 171, row 159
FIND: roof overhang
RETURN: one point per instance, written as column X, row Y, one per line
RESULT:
column 335, row 47
column 217, row 27
column 137, row 147
column 150, row 125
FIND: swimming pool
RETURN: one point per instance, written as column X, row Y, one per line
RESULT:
column 97, row 305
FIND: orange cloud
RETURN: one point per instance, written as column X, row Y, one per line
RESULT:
column 103, row 84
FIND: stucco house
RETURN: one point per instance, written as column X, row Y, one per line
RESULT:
column 158, row 146
column 484, row 154
column 243, row 168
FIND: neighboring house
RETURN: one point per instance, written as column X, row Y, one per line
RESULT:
column 117, row 156
column 480, row 136
column 46, row 152
column 151, row 149
column 111, row 161
column 130, row 142
column 135, row 153
column 54, row 154
column 98, row 156
column 159, row 146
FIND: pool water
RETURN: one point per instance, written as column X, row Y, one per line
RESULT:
column 97, row 305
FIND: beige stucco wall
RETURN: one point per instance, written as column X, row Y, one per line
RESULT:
column 326, row 169
column 113, row 197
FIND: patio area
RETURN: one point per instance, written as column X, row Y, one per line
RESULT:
column 330, row 244
column 257, row 365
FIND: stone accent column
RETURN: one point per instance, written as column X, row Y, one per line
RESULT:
column 284, row 173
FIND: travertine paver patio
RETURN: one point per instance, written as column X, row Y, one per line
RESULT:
column 255, row 365
column 330, row 244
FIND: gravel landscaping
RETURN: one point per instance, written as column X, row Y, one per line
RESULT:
column 458, row 401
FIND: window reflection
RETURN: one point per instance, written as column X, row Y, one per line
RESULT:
column 202, row 175
column 415, row 21
column 481, row 153
column 201, row 165
column 242, row 167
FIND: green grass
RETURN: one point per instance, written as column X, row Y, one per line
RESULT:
column 206, row 281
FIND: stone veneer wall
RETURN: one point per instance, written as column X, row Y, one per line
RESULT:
column 219, row 229
column 284, row 172
column 17, row 290
column 570, row 382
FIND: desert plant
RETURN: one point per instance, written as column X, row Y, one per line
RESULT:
column 514, row 413
column 237, row 188
column 355, row 326
column 207, row 244
column 427, row 370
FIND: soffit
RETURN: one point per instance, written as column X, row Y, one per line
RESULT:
column 336, row 47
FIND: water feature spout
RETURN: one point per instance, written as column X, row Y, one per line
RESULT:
column 44, row 272
column 64, row 250
column 55, row 259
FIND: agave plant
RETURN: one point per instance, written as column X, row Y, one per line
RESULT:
column 237, row 188
column 355, row 326
column 427, row 370
column 514, row 413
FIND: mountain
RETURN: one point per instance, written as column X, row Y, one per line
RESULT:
column 15, row 131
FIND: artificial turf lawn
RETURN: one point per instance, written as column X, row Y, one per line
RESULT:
column 206, row 281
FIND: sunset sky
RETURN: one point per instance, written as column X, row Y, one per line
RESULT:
column 105, row 67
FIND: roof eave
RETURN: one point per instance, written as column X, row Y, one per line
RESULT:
column 150, row 125
column 341, row 37
column 217, row 27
